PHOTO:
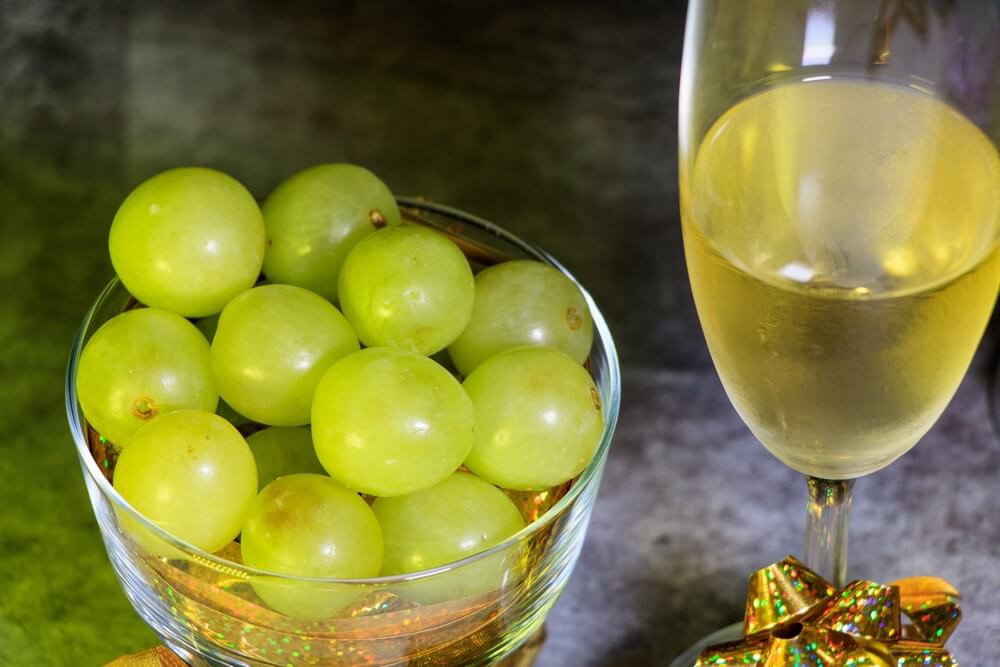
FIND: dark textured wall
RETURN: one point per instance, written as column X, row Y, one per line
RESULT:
column 557, row 120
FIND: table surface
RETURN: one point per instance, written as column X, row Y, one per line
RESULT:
column 555, row 119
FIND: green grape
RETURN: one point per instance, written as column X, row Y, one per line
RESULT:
column 271, row 348
column 188, row 240
column 407, row 287
column 457, row 517
column 316, row 217
column 523, row 303
column 389, row 422
column 283, row 450
column 141, row 364
column 310, row 526
column 538, row 418
column 192, row 474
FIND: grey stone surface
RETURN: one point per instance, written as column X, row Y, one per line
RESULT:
column 556, row 119
column 691, row 504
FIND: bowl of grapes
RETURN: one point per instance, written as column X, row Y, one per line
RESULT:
column 336, row 426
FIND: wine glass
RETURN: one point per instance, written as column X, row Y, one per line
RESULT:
column 840, row 203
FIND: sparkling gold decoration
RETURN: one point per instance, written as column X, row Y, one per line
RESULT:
column 780, row 593
column 864, row 609
column 932, row 606
column 160, row 656
column 796, row 618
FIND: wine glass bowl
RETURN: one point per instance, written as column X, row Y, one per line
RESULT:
column 211, row 610
column 819, row 314
column 837, row 227
column 840, row 207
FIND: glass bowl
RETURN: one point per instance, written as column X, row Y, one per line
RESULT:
column 472, row 612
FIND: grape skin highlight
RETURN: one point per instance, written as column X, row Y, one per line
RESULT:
column 408, row 287
column 315, row 217
column 192, row 474
column 389, row 422
column 188, row 240
column 523, row 302
column 538, row 418
column 310, row 526
column 456, row 518
column 270, row 349
column 141, row 364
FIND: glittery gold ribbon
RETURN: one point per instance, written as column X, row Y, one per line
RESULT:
column 796, row 618
column 161, row 656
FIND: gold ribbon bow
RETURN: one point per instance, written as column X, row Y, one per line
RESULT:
column 796, row 618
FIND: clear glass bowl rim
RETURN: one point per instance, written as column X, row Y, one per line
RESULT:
column 590, row 476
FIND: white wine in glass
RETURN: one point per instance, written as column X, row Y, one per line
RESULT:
column 841, row 244
column 840, row 203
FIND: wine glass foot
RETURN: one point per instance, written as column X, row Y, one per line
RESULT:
column 690, row 656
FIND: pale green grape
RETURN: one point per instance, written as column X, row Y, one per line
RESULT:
column 407, row 287
column 191, row 473
column 141, row 364
column 207, row 326
column 389, row 422
column 457, row 517
column 270, row 350
column 283, row 450
column 523, row 303
column 310, row 526
column 316, row 217
column 460, row 516
column 188, row 240
column 538, row 418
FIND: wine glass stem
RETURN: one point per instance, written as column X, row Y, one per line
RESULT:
column 827, row 520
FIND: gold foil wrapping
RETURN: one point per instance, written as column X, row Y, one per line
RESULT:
column 795, row 618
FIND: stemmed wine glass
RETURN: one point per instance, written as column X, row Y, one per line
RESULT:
column 840, row 199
